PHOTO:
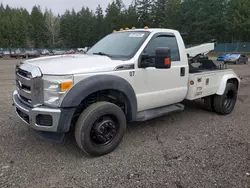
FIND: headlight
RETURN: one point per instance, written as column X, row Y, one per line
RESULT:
column 55, row 88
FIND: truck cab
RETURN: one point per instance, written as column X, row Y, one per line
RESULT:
column 131, row 75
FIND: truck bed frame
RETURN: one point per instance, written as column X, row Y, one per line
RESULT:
column 198, row 60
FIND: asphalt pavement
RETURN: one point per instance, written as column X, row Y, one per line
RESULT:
column 194, row 148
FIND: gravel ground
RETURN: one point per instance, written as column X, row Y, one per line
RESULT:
column 195, row 148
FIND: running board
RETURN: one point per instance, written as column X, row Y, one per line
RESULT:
column 157, row 112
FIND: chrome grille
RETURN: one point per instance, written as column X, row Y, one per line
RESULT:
column 23, row 73
column 29, row 84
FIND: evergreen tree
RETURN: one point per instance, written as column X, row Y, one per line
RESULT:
column 238, row 14
column 65, row 29
column 173, row 14
column 52, row 27
column 37, row 27
column 98, row 25
column 86, row 24
column 201, row 20
column 131, row 16
column 113, row 19
column 201, row 23
column 145, row 12
column 160, row 13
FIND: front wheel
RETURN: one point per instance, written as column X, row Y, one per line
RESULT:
column 237, row 62
column 224, row 104
column 100, row 128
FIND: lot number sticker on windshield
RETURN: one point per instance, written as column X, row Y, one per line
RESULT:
column 136, row 35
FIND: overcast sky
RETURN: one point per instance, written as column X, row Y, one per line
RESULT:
column 59, row 6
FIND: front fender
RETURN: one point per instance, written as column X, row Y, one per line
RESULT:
column 92, row 84
column 223, row 83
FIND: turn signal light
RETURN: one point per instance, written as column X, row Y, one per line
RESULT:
column 66, row 85
column 167, row 61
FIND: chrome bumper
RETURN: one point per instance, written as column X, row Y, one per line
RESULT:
column 60, row 121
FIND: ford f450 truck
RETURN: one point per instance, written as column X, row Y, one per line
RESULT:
column 131, row 75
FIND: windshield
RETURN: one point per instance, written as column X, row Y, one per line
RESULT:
column 120, row 45
column 234, row 56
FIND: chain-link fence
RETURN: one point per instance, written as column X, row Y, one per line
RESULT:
column 232, row 47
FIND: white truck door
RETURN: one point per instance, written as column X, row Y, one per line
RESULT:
column 161, row 87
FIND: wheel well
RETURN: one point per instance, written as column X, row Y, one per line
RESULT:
column 234, row 81
column 109, row 95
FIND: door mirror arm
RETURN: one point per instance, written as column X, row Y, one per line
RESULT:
column 146, row 61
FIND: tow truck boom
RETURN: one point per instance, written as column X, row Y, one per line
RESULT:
column 200, row 49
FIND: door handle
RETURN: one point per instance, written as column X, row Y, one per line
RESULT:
column 182, row 72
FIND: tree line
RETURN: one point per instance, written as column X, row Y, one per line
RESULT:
column 198, row 21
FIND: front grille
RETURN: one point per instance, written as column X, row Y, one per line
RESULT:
column 23, row 83
column 23, row 73
column 27, row 88
column 27, row 85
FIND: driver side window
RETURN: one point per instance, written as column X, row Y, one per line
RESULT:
column 164, row 41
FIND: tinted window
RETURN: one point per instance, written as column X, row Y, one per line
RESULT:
column 164, row 41
column 120, row 44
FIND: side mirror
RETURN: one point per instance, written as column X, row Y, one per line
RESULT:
column 162, row 58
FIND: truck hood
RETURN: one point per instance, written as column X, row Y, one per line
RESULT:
column 74, row 64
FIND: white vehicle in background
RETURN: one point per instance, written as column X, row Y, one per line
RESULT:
column 82, row 50
column 130, row 75
column 45, row 52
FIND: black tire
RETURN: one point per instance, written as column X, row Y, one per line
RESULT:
column 224, row 104
column 95, row 118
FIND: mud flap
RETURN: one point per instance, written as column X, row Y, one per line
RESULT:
column 51, row 137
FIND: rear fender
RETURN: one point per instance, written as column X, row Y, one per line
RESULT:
column 224, row 81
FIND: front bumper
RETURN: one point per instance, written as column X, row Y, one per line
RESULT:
column 56, row 119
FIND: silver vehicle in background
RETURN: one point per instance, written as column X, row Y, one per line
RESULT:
column 33, row 53
column 236, row 59
column 58, row 52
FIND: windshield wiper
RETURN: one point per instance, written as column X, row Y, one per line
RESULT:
column 102, row 53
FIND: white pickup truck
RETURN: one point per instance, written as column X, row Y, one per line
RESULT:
column 130, row 75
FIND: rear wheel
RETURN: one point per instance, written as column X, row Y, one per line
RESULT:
column 224, row 104
column 100, row 128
